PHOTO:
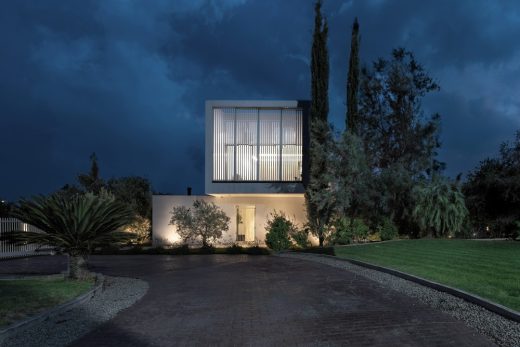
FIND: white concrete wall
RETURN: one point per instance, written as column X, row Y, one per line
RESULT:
column 164, row 234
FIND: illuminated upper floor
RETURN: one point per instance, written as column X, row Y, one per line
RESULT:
column 255, row 147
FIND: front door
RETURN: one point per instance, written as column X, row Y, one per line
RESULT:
column 245, row 223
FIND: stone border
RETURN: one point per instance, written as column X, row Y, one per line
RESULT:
column 475, row 299
column 30, row 321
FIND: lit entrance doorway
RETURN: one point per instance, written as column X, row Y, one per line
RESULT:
column 246, row 223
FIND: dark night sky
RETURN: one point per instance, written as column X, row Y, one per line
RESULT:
column 128, row 79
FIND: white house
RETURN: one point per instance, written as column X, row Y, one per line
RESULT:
column 255, row 163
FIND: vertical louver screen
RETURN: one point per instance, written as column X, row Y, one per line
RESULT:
column 270, row 144
column 257, row 144
column 291, row 145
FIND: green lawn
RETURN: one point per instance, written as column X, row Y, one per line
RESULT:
column 26, row 297
column 490, row 269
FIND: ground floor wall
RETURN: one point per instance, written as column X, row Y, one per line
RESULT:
column 257, row 211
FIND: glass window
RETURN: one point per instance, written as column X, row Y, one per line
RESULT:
column 223, row 144
column 269, row 156
column 257, row 144
column 246, row 143
column 291, row 145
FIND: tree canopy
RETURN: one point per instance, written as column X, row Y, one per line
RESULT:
column 317, row 193
column 492, row 192
column 205, row 221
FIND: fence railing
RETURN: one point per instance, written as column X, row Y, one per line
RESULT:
column 8, row 250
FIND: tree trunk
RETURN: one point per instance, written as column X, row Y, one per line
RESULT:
column 321, row 238
column 78, row 267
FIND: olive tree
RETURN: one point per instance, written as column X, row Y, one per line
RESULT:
column 204, row 220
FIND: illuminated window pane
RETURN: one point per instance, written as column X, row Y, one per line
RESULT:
column 246, row 161
column 223, row 144
column 291, row 145
column 251, row 144
column 269, row 157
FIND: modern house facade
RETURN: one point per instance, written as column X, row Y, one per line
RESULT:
column 255, row 164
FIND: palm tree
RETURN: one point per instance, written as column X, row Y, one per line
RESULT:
column 440, row 207
column 74, row 225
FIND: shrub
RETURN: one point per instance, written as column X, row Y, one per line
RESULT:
column 375, row 237
column 140, row 227
column 183, row 249
column 343, row 234
column 256, row 250
column 300, row 237
column 348, row 231
column 440, row 209
column 278, row 231
column 207, row 249
column 466, row 231
column 234, row 249
column 387, row 230
column 359, row 229
column 516, row 232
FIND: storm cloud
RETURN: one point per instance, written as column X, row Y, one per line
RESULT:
column 128, row 79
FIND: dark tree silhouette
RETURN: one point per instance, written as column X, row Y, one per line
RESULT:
column 319, row 204
column 353, row 81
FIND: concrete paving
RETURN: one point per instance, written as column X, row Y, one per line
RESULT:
column 242, row 300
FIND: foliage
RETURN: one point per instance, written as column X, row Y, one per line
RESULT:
column 440, row 209
column 353, row 81
column 135, row 191
column 300, row 236
column 74, row 226
column 387, row 230
column 492, row 192
column 234, row 249
column 350, row 230
column 92, row 182
column 392, row 123
column 205, row 220
column 140, row 227
column 352, row 180
column 395, row 197
column 279, row 228
column 5, row 208
column 488, row 269
column 400, row 142
column 317, row 194
column 375, row 237
column 466, row 231
column 515, row 235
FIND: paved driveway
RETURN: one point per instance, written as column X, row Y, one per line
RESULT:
column 259, row 300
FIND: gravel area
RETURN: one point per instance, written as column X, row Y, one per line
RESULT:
column 118, row 293
column 503, row 331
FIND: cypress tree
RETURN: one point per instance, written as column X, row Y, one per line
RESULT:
column 319, row 205
column 353, row 81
